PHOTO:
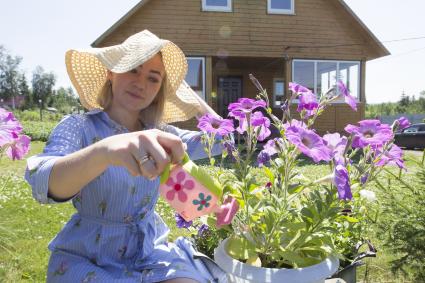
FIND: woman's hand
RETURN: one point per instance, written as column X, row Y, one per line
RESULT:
column 144, row 153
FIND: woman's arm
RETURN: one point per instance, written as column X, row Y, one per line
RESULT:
column 72, row 172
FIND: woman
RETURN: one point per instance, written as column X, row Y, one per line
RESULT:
column 108, row 161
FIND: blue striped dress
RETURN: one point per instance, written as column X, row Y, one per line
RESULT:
column 116, row 235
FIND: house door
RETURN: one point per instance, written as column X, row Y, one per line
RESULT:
column 229, row 90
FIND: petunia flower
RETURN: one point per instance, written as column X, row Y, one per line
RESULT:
column 9, row 127
column 370, row 132
column 262, row 158
column 259, row 122
column 272, row 147
column 298, row 89
column 202, row 229
column 181, row 223
column 342, row 182
column 350, row 100
column 403, row 123
column 215, row 125
column 309, row 143
column 336, row 143
column 244, row 106
column 308, row 102
column 18, row 147
column 178, row 186
column 393, row 156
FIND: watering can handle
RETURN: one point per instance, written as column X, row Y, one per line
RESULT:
column 166, row 173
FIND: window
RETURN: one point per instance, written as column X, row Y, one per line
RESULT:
column 280, row 7
column 321, row 75
column 195, row 76
column 413, row 129
column 278, row 92
column 217, row 5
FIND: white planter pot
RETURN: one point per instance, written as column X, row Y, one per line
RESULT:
column 240, row 272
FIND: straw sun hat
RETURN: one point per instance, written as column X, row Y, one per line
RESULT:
column 87, row 70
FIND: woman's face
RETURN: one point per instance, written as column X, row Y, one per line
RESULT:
column 135, row 90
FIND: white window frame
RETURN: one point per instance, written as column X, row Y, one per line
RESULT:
column 337, row 71
column 275, row 80
column 270, row 10
column 210, row 8
column 203, row 72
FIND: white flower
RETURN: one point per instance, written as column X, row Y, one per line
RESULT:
column 368, row 195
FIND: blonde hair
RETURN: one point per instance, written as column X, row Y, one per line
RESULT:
column 151, row 115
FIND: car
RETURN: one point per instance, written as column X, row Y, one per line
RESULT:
column 411, row 137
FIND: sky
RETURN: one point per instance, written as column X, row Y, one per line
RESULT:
column 41, row 32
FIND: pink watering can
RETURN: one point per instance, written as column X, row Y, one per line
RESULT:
column 192, row 192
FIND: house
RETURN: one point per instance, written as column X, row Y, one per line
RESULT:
column 311, row 42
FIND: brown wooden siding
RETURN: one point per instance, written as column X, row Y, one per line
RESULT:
column 250, row 31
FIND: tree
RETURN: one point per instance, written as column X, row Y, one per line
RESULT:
column 10, row 75
column 24, row 90
column 42, row 86
column 64, row 100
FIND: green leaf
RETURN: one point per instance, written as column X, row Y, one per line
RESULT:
column 350, row 219
column 269, row 174
column 307, row 214
column 240, row 248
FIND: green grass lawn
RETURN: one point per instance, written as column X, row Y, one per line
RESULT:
column 31, row 226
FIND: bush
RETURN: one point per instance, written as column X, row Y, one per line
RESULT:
column 37, row 130
column 34, row 115
column 405, row 221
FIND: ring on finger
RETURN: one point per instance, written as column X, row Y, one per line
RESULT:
column 145, row 158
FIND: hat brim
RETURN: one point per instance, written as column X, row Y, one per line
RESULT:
column 88, row 74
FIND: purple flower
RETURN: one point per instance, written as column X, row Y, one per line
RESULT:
column 284, row 106
column 347, row 96
column 363, row 179
column 273, row 146
column 308, row 102
column 309, row 143
column 19, row 146
column 342, row 182
column 202, row 229
column 215, row 125
column 9, row 127
column 231, row 148
column 392, row 156
column 260, row 123
column 244, row 106
column 262, row 158
column 294, row 124
column 403, row 123
column 298, row 89
column 337, row 145
column 181, row 223
column 370, row 132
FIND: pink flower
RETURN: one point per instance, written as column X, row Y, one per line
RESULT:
column 9, row 127
column 19, row 146
column 350, row 100
column 178, row 186
column 394, row 156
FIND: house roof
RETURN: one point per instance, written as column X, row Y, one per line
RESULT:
column 119, row 22
column 381, row 49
